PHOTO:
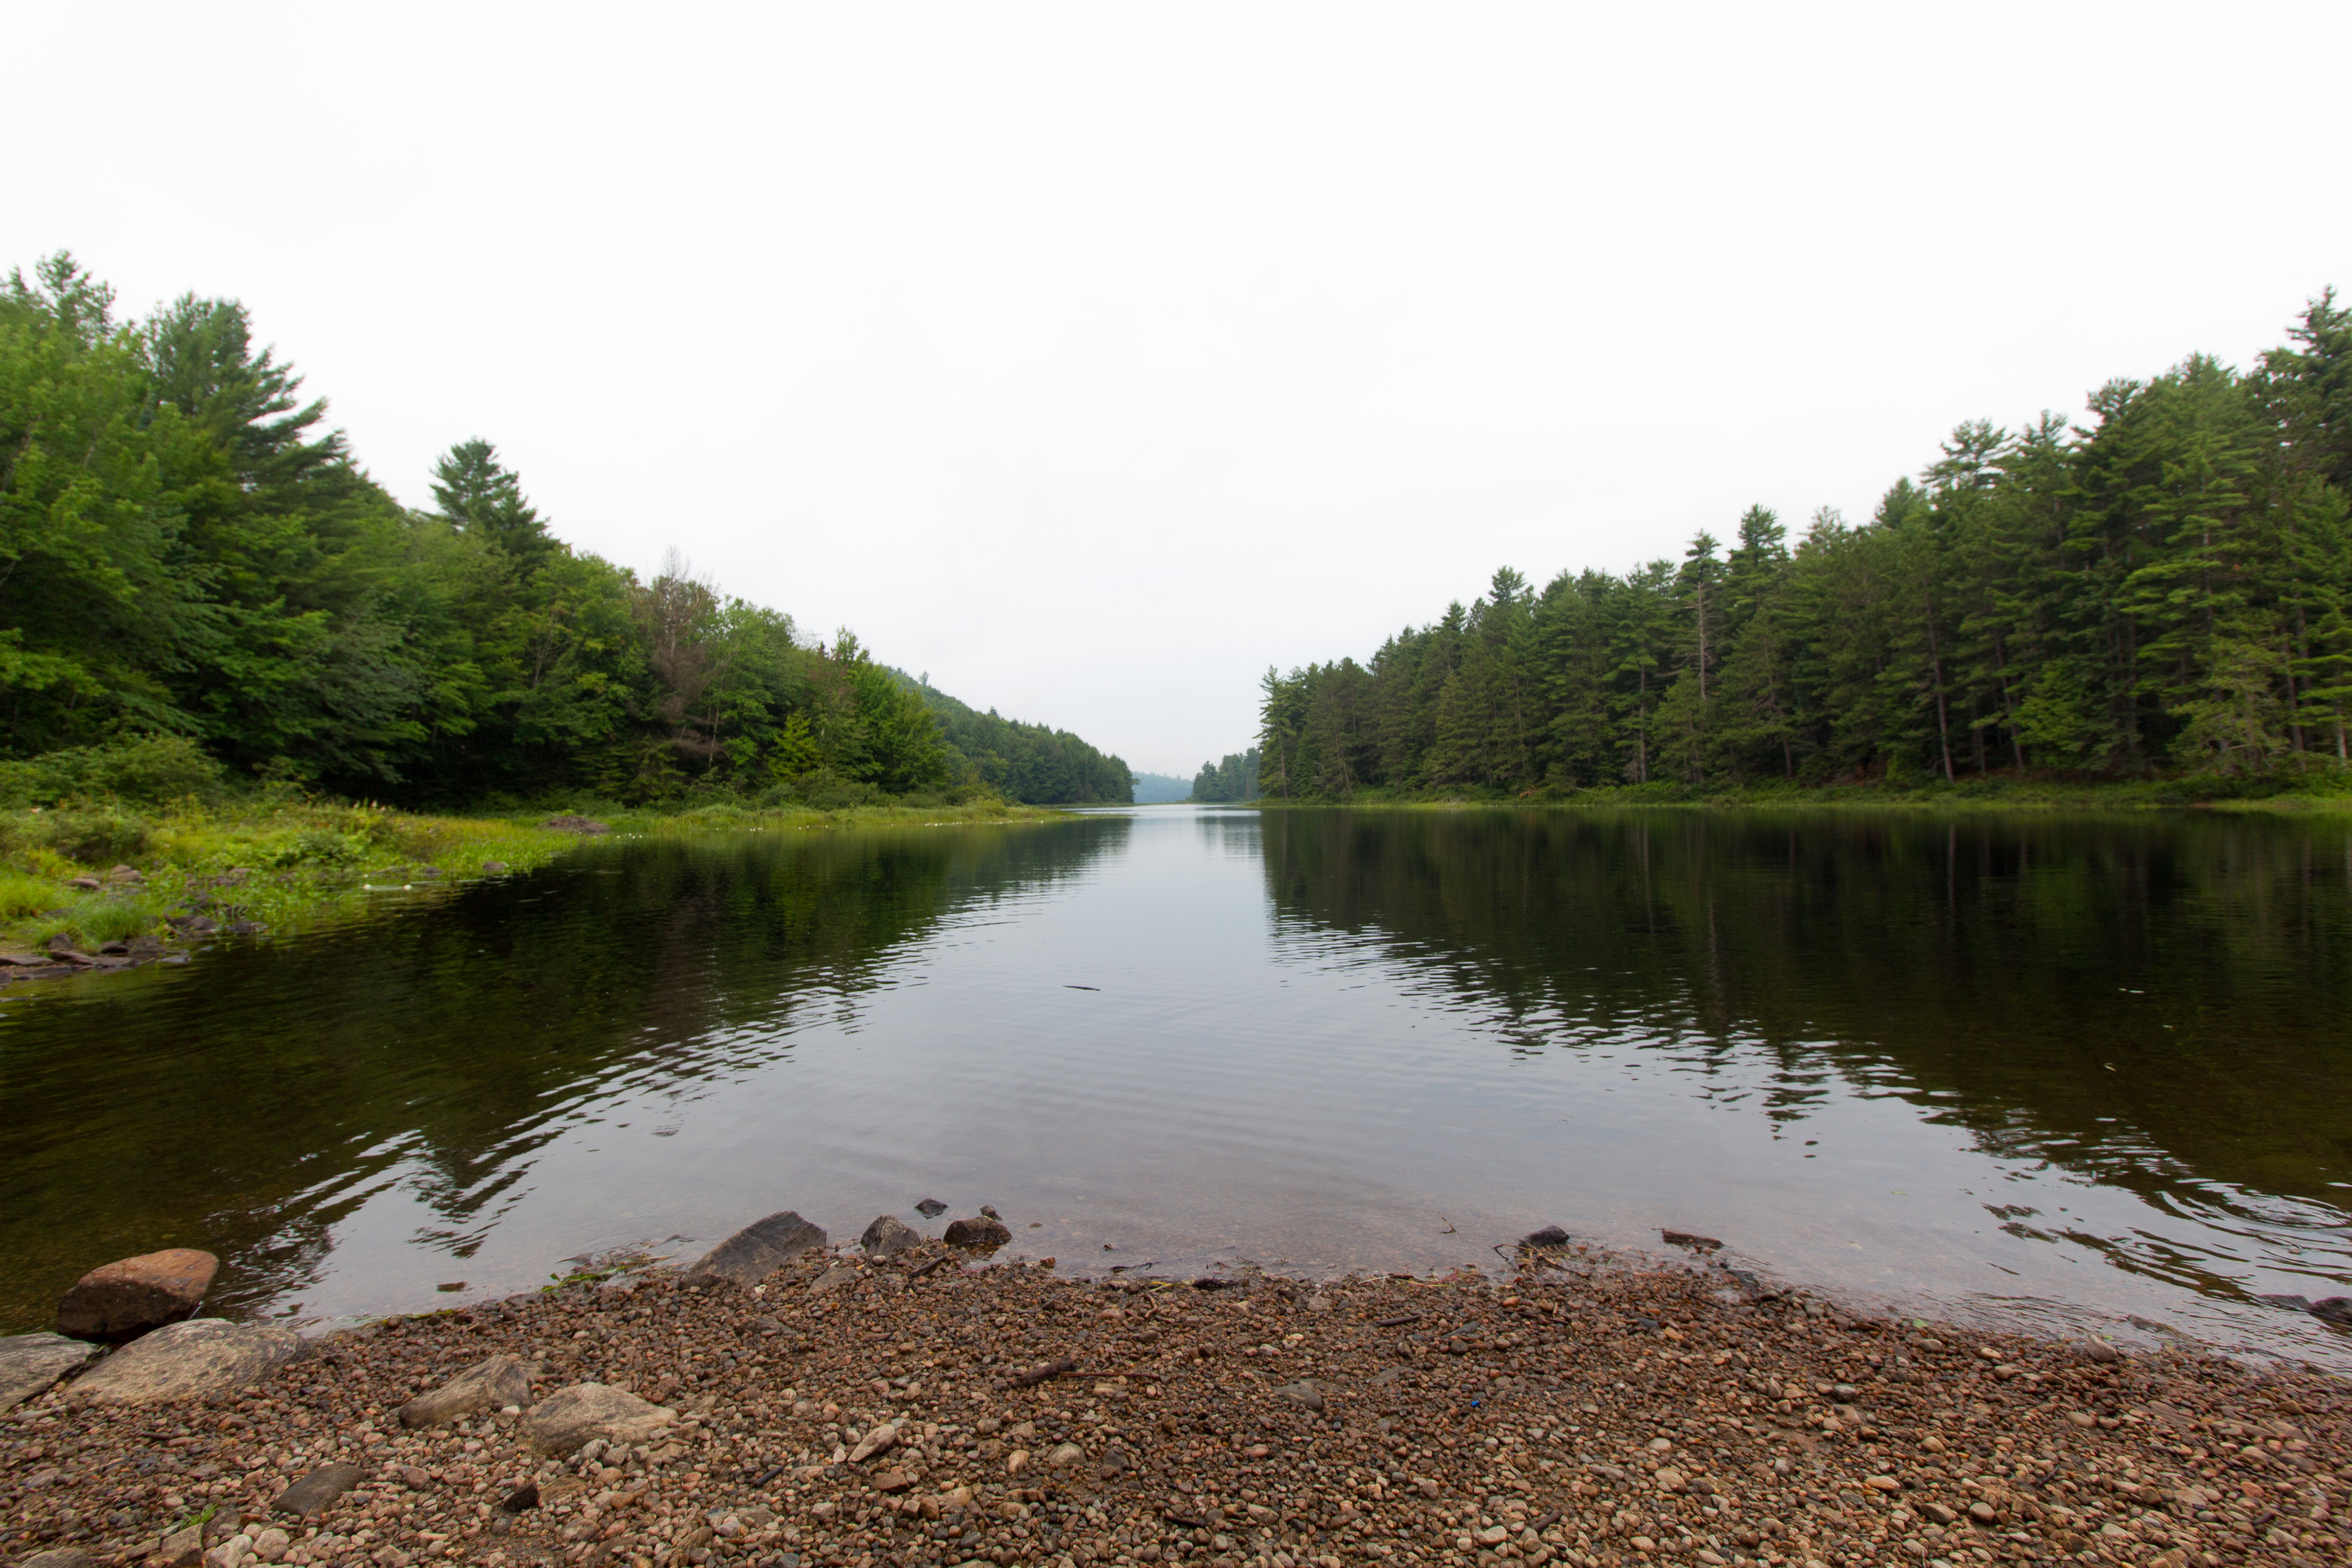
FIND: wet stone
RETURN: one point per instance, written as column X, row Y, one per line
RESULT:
column 756, row 1251
column 984, row 1232
column 121, row 1301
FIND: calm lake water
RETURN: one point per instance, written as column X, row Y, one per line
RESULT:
column 2078, row 1072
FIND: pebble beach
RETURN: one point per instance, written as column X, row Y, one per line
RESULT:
column 928, row 1407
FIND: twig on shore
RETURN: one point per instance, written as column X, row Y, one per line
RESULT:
column 1054, row 1368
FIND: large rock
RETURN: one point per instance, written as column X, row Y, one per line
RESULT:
column 316, row 1493
column 187, row 1360
column 985, row 1231
column 29, row 1363
column 889, row 1236
column 568, row 1419
column 489, row 1384
column 60, row 1557
column 119, row 1301
column 756, row 1251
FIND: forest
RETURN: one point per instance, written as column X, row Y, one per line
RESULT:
column 1234, row 778
column 191, row 557
column 2162, row 589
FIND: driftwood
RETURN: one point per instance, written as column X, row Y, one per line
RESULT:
column 1054, row 1368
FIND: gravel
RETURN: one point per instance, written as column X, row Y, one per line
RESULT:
column 1578, row 1415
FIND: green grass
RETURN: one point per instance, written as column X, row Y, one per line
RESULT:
column 294, row 865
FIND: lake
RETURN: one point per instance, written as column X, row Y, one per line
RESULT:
column 2055, row 1071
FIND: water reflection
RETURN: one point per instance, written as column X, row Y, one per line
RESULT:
column 2147, row 1006
column 2056, row 1069
column 262, row 1101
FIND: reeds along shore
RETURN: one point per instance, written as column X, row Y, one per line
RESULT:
column 924, row 1408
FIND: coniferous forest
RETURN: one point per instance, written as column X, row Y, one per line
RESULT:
column 189, row 554
column 2163, row 589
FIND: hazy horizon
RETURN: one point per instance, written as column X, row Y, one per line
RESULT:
column 1092, row 361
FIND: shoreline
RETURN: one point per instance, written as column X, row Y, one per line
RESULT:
column 921, row 1405
column 196, row 877
column 1969, row 797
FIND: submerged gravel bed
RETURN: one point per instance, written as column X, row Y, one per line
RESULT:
column 1580, row 1415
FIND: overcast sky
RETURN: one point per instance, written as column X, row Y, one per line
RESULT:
column 1093, row 358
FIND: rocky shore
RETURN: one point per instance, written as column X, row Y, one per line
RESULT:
column 787, row 1403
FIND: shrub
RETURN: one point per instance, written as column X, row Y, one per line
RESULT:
column 147, row 770
column 21, row 896
column 97, row 837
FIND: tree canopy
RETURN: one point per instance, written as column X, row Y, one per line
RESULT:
column 2164, row 587
column 188, row 549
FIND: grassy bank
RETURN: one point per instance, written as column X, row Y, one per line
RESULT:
column 2328, row 791
column 285, row 865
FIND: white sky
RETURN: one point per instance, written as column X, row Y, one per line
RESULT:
column 1093, row 358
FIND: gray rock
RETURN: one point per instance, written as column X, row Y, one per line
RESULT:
column 986, row 1232
column 571, row 1418
column 1319, row 1303
column 834, row 1277
column 492, row 1383
column 310, row 1497
column 181, row 1549
column 29, row 1363
column 1304, row 1392
column 756, row 1251
column 888, row 1236
column 121, row 1301
column 1063, row 1455
column 1550, row 1238
column 931, row 1209
column 186, row 1361
column 59, row 1557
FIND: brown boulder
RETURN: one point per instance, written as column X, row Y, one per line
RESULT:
column 981, row 1231
column 122, row 1301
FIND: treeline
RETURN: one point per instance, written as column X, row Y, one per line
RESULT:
column 2166, row 587
column 1234, row 778
column 1033, row 763
column 186, row 550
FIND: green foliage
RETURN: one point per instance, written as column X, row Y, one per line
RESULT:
column 144, row 770
column 1233, row 778
column 1032, row 763
column 2164, row 591
column 200, row 588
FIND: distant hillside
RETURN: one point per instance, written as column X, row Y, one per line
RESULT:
column 1032, row 763
column 1160, row 789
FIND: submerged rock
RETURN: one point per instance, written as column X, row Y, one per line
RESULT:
column 187, row 1360
column 121, row 1301
column 30, row 1364
column 491, row 1384
column 756, row 1251
column 1550, row 1238
column 931, row 1209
